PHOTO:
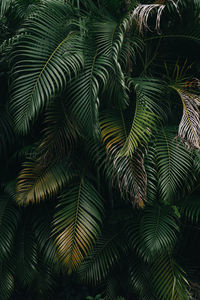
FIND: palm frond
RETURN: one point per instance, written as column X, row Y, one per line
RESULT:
column 113, row 130
column 4, row 6
column 38, row 78
column 168, row 278
column 42, row 220
column 103, row 257
column 154, row 232
column 158, row 230
column 83, row 91
column 9, row 221
column 77, row 223
column 128, row 172
column 189, row 127
column 142, row 13
column 190, row 208
column 139, row 279
column 7, row 282
column 61, row 131
column 25, row 256
column 39, row 180
column 146, row 115
column 174, row 164
column 7, row 136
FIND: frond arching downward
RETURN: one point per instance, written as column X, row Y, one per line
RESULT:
column 77, row 223
column 39, row 180
column 189, row 127
column 174, row 163
column 168, row 279
column 38, row 78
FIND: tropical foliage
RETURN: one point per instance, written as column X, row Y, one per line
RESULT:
column 99, row 149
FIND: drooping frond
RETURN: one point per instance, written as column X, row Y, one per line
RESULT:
column 9, row 221
column 127, row 172
column 83, row 91
column 169, row 280
column 154, row 233
column 158, row 230
column 139, row 279
column 105, row 254
column 41, row 224
column 77, row 223
column 189, row 127
column 146, row 116
column 7, row 137
column 60, row 133
column 4, row 6
column 38, row 78
column 174, row 164
column 8, row 281
column 143, row 11
column 25, row 256
column 113, row 130
column 190, row 209
column 130, row 174
column 39, row 180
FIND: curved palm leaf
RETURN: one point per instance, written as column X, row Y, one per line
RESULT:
column 103, row 257
column 140, row 279
column 174, row 164
column 190, row 208
column 7, row 137
column 169, row 280
column 61, row 131
column 146, row 116
column 9, row 221
column 38, row 78
column 154, row 232
column 189, row 127
column 84, row 90
column 25, row 256
column 7, row 282
column 39, row 180
column 143, row 11
column 42, row 220
column 128, row 172
column 4, row 6
column 77, row 223
column 158, row 230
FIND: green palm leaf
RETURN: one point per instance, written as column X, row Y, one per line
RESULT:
column 9, row 221
column 128, row 172
column 7, row 137
column 174, row 163
column 169, row 280
column 61, row 131
column 25, row 256
column 39, row 180
column 38, row 78
column 103, row 257
column 154, row 232
column 158, row 230
column 7, row 282
column 84, row 90
column 77, row 223
column 146, row 115
column 190, row 208
column 4, row 6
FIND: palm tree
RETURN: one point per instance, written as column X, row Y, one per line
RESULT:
column 100, row 145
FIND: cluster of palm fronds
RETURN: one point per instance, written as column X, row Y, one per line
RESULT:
column 100, row 140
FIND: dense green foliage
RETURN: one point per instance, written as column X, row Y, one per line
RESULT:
column 99, row 149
